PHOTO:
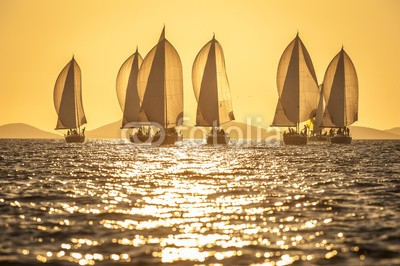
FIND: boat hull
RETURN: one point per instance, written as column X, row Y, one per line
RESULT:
column 295, row 140
column 340, row 139
column 167, row 139
column 218, row 140
column 75, row 138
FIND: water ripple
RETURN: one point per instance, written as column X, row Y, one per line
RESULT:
column 106, row 202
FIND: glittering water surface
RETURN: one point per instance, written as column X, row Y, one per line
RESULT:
column 108, row 202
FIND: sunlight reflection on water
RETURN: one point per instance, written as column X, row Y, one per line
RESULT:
column 105, row 202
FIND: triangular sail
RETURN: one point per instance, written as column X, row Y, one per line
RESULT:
column 211, row 86
column 297, row 83
column 127, row 91
column 68, row 97
column 327, row 120
column 280, row 119
column 341, row 90
column 160, row 85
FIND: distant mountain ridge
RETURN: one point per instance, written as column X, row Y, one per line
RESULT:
column 113, row 130
column 395, row 130
column 371, row 133
column 109, row 131
column 25, row 131
column 235, row 129
column 240, row 130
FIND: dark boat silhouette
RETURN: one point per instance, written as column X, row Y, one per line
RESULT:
column 129, row 101
column 211, row 87
column 298, row 92
column 68, row 102
column 160, row 87
column 340, row 89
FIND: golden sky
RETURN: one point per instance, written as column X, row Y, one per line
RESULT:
column 38, row 38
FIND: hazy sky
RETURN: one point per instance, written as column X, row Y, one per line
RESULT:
column 39, row 37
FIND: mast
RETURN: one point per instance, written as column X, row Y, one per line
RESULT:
column 344, row 91
column 216, row 73
column 298, row 100
column 162, row 39
column 162, row 42
column 75, row 98
column 215, row 70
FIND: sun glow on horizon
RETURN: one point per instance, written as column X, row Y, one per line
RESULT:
column 253, row 37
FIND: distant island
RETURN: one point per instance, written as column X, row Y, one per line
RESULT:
column 371, row 133
column 25, row 131
column 113, row 131
column 395, row 130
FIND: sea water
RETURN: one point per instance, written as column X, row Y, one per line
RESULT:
column 110, row 202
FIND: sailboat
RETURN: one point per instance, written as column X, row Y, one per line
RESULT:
column 341, row 94
column 160, row 87
column 68, row 102
column 128, row 97
column 298, row 92
column 211, row 87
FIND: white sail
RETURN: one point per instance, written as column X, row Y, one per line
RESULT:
column 160, row 84
column 211, row 86
column 341, row 90
column 68, row 97
column 127, row 91
column 297, row 84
